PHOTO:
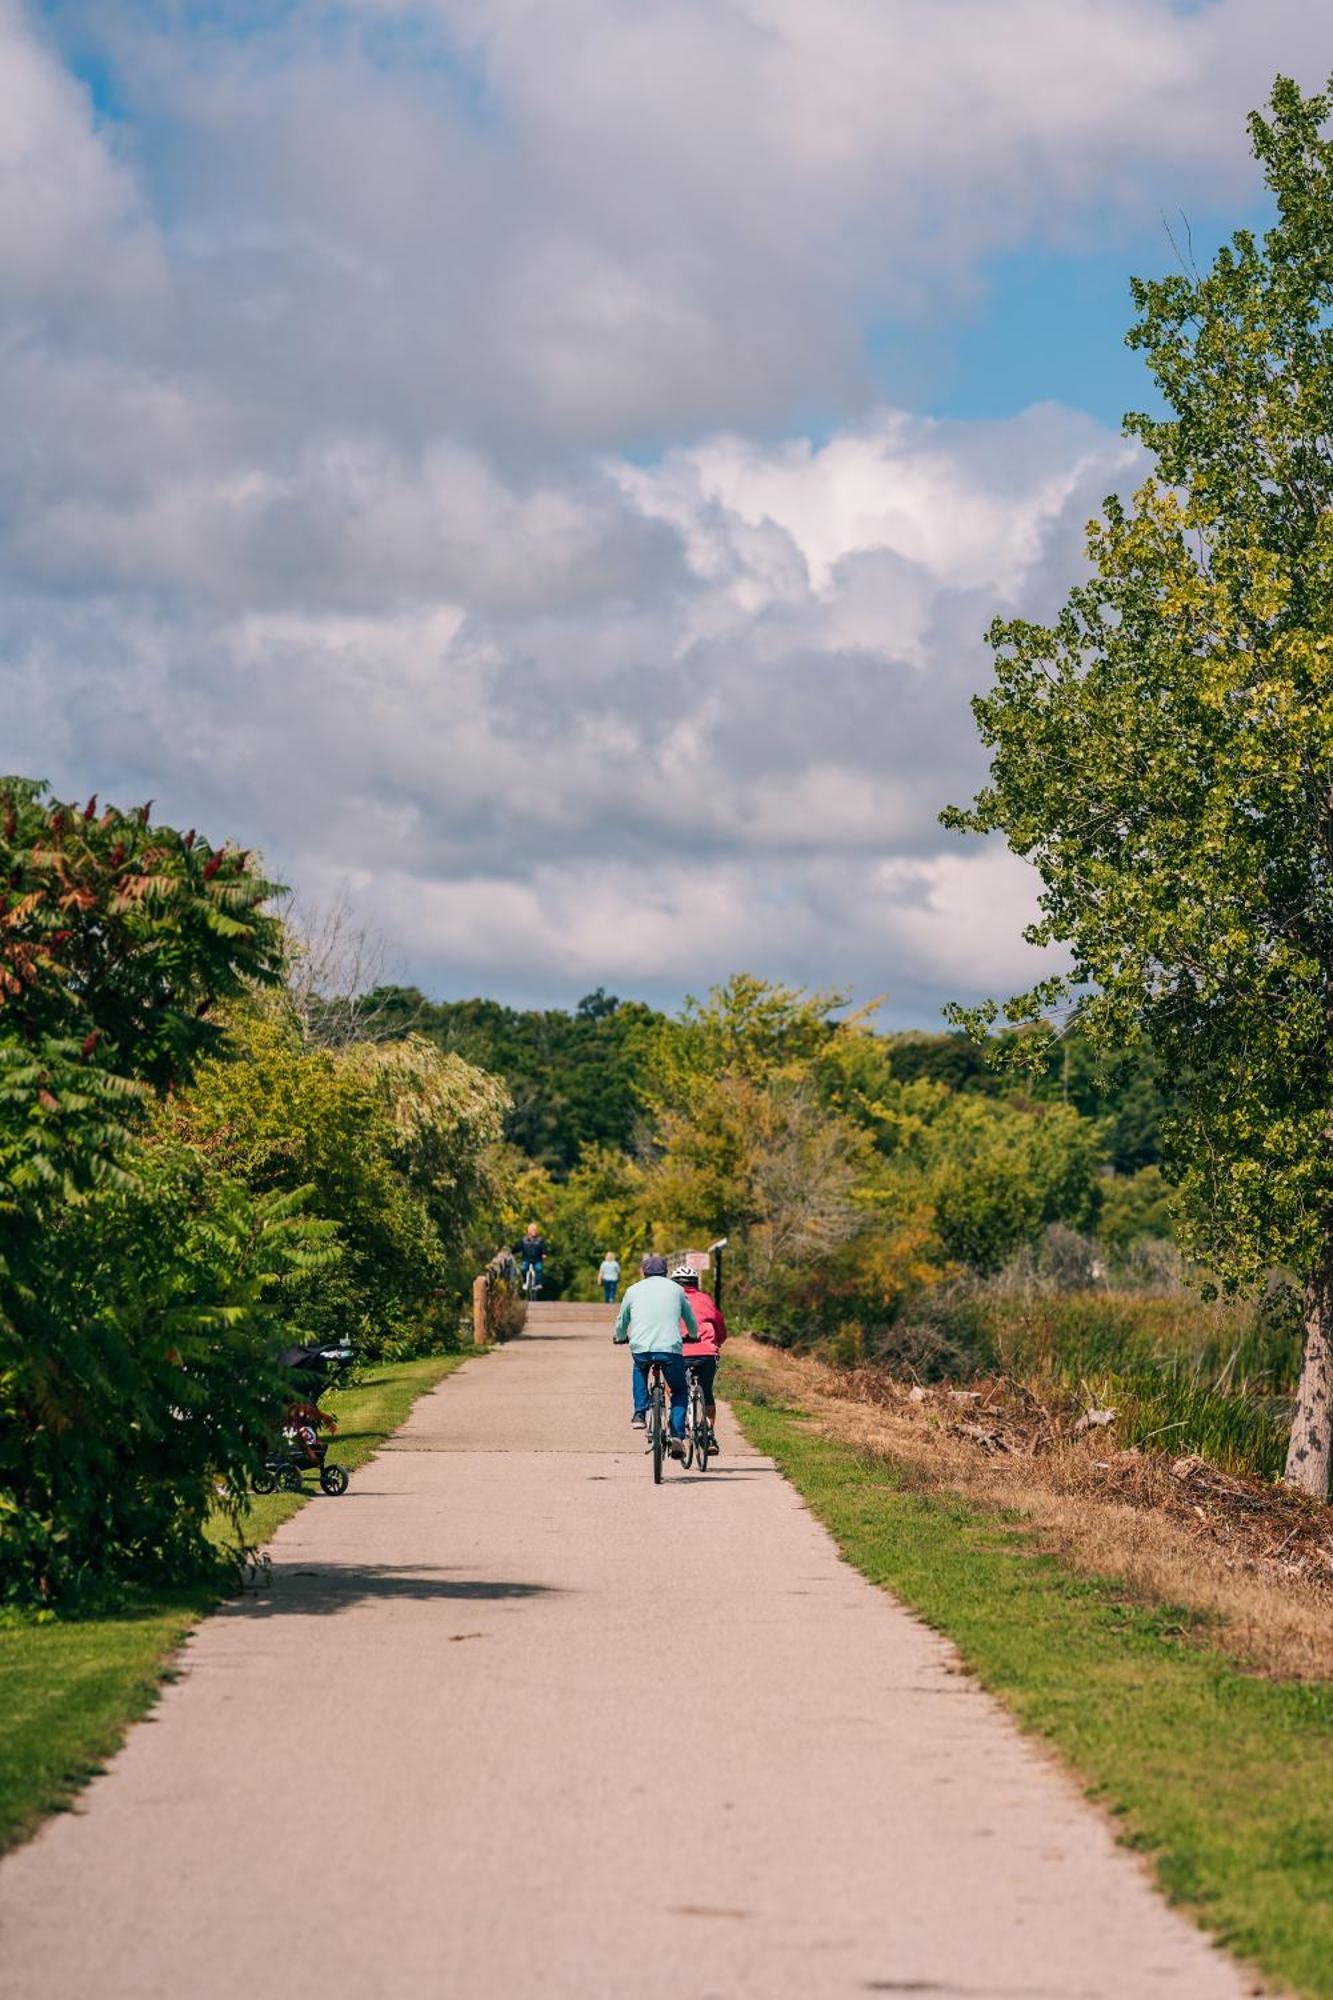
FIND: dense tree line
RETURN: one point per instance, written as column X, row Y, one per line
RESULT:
column 581, row 1080
column 1122, row 1090
column 572, row 1077
column 850, row 1169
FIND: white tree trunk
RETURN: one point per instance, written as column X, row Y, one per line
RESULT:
column 1312, row 1425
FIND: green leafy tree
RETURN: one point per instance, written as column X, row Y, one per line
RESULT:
column 1124, row 1092
column 118, row 939
column 753, row 1139
column 122, row 936
column 598, row 1207
column 747, row 1028
column 134, row 1330
column 1164, row 751
column 572, row 1078
column 137, row 1372
column 1134, row 1206
column 386, row 1142
column 996, row 1176
column 447, row 1117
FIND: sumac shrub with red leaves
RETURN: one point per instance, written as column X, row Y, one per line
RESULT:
column 137, row 1287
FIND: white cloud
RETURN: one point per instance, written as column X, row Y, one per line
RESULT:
column 403, row 463
column 568, row 226
column 959, row 501
column 71, row 223
column 636, row 745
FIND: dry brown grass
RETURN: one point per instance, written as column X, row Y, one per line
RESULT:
column 1256, row 1561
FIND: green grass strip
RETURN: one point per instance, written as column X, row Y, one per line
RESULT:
column 1224, row 1778
column 71, row 1687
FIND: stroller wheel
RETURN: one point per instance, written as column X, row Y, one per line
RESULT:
column 264, row 1482
column 333, row 1479
column 290, row 1480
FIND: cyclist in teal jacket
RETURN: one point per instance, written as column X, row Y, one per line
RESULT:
column 650, row 1319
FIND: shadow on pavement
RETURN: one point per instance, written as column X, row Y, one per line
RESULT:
column 318, row 1592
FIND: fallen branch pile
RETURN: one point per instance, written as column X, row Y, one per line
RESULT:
column 1257, row 1524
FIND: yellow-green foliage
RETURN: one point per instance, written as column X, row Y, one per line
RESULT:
column 1135, row 1205
column 447, row 1119
column 842, row 1189
column 598, row 1208
column 393, row 1146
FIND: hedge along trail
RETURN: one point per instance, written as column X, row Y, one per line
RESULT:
column 152, row 1263
column 134, row 1317
column 1163, row 753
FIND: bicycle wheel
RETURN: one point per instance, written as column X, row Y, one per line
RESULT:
column 699, row 1426
column 657, row 1418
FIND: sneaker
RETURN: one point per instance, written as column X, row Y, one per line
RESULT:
column 639, row 1421
column 713, row 1444
column 677, row 1447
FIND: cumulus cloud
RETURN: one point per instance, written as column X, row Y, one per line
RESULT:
column 707, row 715
column 72, row 228
column 406, row 464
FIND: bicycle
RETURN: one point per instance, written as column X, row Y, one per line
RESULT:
column 698, row 1430
column 658, row 1423
column 532, row 1284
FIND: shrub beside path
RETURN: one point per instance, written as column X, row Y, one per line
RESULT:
column 511, row 1721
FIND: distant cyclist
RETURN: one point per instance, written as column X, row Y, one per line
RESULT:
column 652, row 1313
column 532, row 1255
column 701, row 1352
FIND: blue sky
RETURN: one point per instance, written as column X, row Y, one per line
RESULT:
column 1050, row 328
column 545, row 466
column 1051, row 325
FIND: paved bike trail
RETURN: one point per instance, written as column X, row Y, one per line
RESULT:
column 511, row 1721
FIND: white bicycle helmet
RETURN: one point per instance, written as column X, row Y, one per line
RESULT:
column 685, row 1274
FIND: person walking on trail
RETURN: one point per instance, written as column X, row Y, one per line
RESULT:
column 532, row 1252
column 608, row 1273
column 701, row 1352
column 652, row 1314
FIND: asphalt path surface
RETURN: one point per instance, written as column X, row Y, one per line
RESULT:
column 509, row 1720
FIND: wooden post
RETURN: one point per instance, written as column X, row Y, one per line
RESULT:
column 480, row 1329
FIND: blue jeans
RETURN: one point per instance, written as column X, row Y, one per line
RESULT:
column 673, row 1368
column 609, row 1291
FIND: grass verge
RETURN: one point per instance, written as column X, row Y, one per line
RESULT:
column 1220, row 1775
column 71, row 1687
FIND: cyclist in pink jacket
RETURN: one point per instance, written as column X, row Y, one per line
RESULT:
column 701, row 1351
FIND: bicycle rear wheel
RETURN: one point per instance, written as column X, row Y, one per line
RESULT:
column 657, row 1418
column 699, row 1426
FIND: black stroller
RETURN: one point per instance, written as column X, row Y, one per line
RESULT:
column 301, row 1448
